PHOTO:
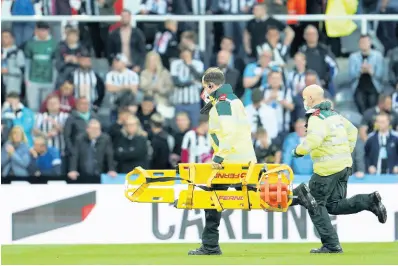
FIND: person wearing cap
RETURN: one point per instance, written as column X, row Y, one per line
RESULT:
column 40, row 53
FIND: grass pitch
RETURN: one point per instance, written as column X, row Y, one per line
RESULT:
column 172, row 254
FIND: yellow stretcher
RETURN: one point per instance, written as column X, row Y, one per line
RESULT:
column 257, row 186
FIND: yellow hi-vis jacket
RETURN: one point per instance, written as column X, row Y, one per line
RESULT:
column 330, row 140
column 229, row 128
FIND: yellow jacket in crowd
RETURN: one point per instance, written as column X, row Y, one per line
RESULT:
column 330, row 140
column 229, row 128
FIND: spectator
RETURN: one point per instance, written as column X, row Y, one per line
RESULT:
column 15, row 157
column 87, row 82
column 122, row 84
column 256, row 75
column 319, row 58
column 188, row 41
column 99, row 31
column 277, row 7
column 151, row 7
column 51, row 124
column 366, row 72
column 369, row 116
column 115, row 130
column 130, row 148
column 183, row 126
column 381, row 148
column 40, row 71
column 261, row 115
column 45, row 160
column 145, row 112
column 156, row 80
column 128, row 41
column 187, row 76
column 279, row 98
column 393, row 69
column 14, row 113
column 235, row 61
column 273, row 42
column 296, row 78
column 56, row 8
column 65, row 96
column 76, row 124
column 301, row 165
column 266, row 150
column 166, row 43
column 196, row 145
column 12, row 63
column 232, row 76
column 92, row 155
column 23, row 31
column 358, row 159
column 67, row 56
column 159, row 143
column 254, row 32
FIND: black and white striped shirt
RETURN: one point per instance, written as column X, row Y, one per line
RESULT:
column 296, row 81
column 195, row 148
column 235, row 6
column 125, row 78
column 90, row 7
column 188, row 94
column 279, row 52
column 85, row 83
column 45, row 123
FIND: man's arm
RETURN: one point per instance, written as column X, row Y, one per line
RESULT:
column 315, row 135
column 352, row 133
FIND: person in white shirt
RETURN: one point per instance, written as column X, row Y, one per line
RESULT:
column 261, row 115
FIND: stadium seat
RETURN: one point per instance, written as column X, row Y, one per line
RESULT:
column 101, row 66
column 342, row 80
column 354, row 117
column 344, row 95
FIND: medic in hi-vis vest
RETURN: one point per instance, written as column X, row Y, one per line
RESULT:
column 229, row 125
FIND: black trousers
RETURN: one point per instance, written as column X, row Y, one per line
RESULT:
column 99, row 38
column 330, row 192
column 365, row 99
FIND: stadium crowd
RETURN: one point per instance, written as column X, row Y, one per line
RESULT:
column 63, row 115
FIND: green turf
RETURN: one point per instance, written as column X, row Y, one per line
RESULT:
column 364, row 253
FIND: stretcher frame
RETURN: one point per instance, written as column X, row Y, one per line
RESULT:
column 207, row 188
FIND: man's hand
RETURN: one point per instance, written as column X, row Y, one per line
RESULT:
column 359, row 174
column 112, row 174
column 215, row 165
column 295, row 155
column 372, row 170
column 73, row 175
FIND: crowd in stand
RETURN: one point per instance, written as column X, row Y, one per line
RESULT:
column 62, row 117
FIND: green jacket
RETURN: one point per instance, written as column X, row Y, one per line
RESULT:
column 41, row 55
column 330, row 140
column 229, row 128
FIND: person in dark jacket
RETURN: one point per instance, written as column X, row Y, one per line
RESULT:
column 129, row 41
column 145, row 111
column 115, row 130
column 130, row 148
column 182, row 127
column 160, row 146
column 76, row 124
column 166, row 43
column 45, row 160
column 232, row 75
column 92, row 155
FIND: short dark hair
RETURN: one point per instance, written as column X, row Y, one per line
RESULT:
column 228, row 38
column 364, row 36
column 269, row 28
column 214, row 75
column 13, row 95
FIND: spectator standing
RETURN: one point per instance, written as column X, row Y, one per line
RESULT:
column 87, row 83
column 182, row 127
column 115, row 129
column 67, row 55
column 319, row 58
column 51, row 124
column 358, row 159
column 14, row 113
column 254, row 32
column 266, row 150
column 92, row 155
column 300, row 165
column 128, row 41
column 15, row 157
column 296, row 78
column 122, row 85
column 196, row 145
column 99, row 31
column 23, row 31
column 368, row 124
column 40, row 68
column 56, row 8
column 76, row 124
column 188, row 40
column 159, row 143
column 232, row 75
column 65, row 95
column 381, row 149
column 366, row 69
column 187, row 75
column 280, row 51
column 279, row 98
column 12, row 63
column 131, row 149
column 235, row 61
column 156, row 81
column 166, row 43
column 45, row 160
column 261, row 115
column 145, row 112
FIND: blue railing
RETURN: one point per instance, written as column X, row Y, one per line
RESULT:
column 367, row 179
